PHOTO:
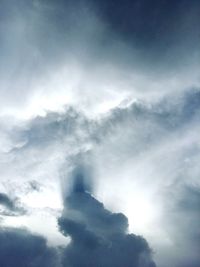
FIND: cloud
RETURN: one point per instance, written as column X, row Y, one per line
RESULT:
column 154, row 28
column 98, row 236
column 113, row 80
column 138, row 151
column 20, row 248
column 182, row 209
column 149, row 154
column 12, row 207
column 6, row 201
column 76, row 47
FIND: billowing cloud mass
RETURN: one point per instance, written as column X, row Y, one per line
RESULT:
column 98, row 236
column 99, row 133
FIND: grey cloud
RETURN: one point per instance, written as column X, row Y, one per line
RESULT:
column 20, row 248
column 34, row 186
column 156, row 25
column 171, row 113
column 98, row 236
column 12, row 207
column 142, row 126
column 6, row 201
column 55, row 127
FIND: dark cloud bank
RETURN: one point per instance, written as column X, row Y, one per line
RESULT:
column 98, row 237
column 19, row 248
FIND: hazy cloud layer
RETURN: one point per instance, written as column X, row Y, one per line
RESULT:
column 92, row 55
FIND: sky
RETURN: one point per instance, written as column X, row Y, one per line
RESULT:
column 99, row 143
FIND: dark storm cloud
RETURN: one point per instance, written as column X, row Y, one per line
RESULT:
column 151, row 22
column 12, row 207
column 152, row 31
column 145, row 24
column 98, row 236
column 39, row 36
column 20, row 248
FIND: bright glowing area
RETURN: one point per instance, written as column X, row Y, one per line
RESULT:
column 46, row 198
column 42, row 222
column 141, row 212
